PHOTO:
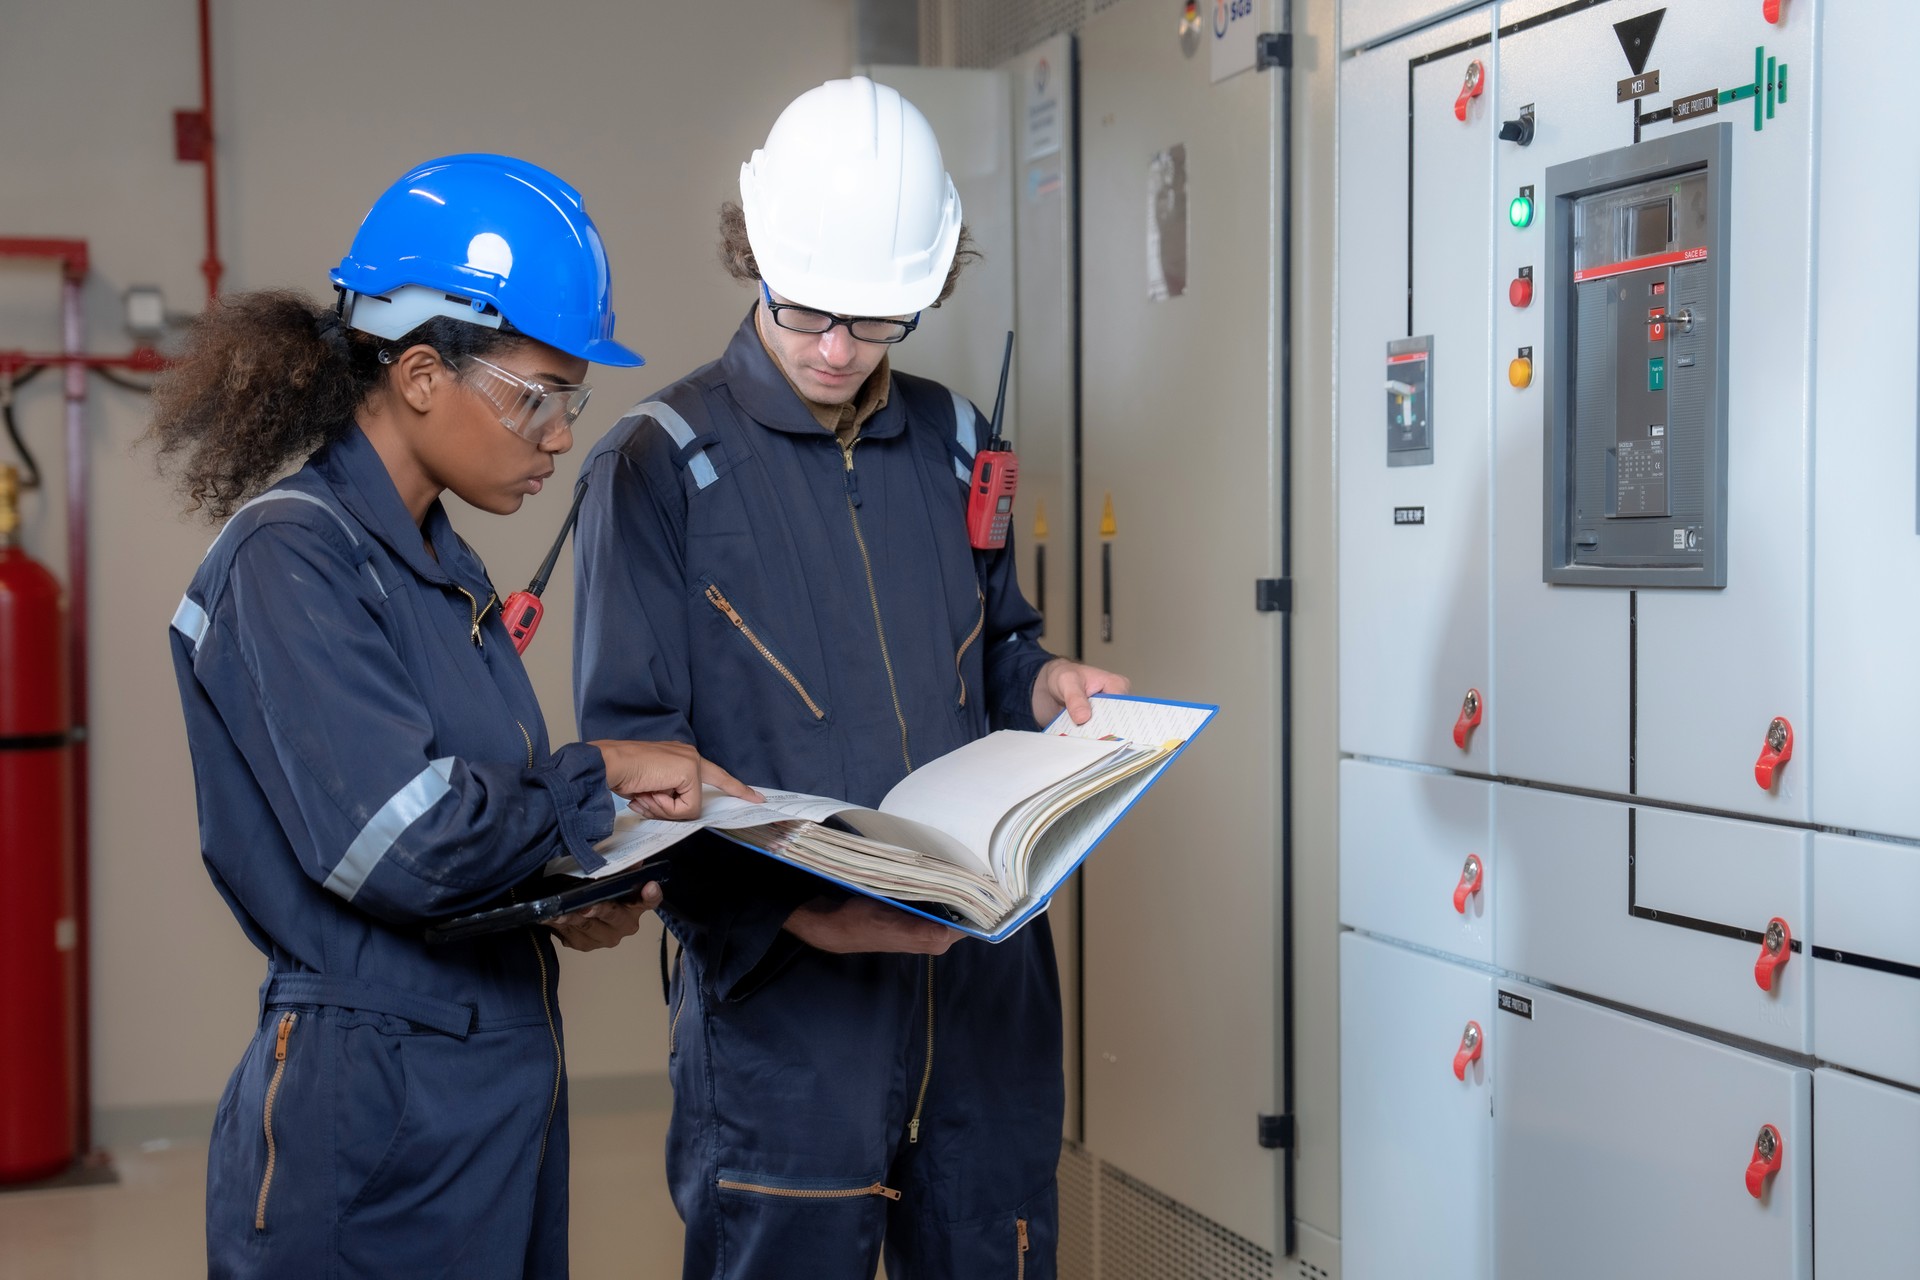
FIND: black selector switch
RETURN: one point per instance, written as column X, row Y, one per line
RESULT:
column 1521, row 130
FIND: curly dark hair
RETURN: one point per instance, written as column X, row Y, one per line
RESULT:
column 736, row 252
column 269, row 377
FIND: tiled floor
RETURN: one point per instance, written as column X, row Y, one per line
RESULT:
column 148, row 1226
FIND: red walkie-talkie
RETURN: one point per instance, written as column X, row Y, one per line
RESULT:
column 996, row 474
column 523, row 610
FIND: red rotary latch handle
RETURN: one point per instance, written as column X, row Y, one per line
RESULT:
column 1775, row 949
column 1770, row 10
column 1470, row 88
column 1470, row 877
column 1768, row 1150
column 1472, row 707
column 1776, row 751
column 1470, row 1042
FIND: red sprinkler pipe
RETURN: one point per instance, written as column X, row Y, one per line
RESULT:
column 211, row 266
column 74, row 340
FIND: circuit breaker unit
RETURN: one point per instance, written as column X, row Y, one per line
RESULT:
column 1409, row 402
column 1636, row 349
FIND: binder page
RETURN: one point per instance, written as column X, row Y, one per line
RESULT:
column 1135, row 720
column 636, row 839
column 966, row 792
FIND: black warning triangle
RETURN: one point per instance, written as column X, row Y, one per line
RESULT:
column 1636, row 38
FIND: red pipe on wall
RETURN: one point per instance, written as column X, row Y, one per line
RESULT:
column 74, row 340
column 210, row 266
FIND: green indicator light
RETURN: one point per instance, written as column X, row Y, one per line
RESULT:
column 1520, row 211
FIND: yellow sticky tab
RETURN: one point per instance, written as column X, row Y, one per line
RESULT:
column 1107, row 527
column 1040, row 519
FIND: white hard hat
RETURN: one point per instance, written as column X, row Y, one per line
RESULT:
column 849, row 207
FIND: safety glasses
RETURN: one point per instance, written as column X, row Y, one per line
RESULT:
column 887, row 329
column 531, row 410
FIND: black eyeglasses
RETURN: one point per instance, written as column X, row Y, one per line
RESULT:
column 865, row 328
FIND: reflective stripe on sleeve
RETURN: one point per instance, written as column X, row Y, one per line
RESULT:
column 963, row 431
column 190, row 620
column 682, row 434
column 387, row 826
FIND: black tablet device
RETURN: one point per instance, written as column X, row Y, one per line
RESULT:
column 545, row 898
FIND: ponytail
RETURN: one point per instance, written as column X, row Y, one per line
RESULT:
column 269, row 377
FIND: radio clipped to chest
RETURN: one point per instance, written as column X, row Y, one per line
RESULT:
column 996, row 476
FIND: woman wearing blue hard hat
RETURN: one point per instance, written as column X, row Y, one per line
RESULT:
column 368, row 750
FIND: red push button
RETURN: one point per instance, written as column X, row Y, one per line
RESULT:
column 1775, row 950
column 1471, row 711
column 1474, row 85
column 1770, row 10
column 1470, row 878
column 1520, row 292
column 1768, row 1150
column 1468, row 1051
column 1777, row 750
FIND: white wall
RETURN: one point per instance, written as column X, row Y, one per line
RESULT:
column 648, row 108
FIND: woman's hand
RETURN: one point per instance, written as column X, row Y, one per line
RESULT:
column 1066, row 686
column 861, row 924
column 605, row 924
column 663, row 779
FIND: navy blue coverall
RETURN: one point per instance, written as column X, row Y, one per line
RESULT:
column 812, row 617
column 369, row 755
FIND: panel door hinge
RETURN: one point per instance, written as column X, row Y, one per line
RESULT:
column 1272, row 49
column 1273, row 595
column 1276, row 1132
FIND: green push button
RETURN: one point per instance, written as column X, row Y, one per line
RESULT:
column 1657, row 374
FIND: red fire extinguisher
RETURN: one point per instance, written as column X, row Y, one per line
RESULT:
column 38, row 935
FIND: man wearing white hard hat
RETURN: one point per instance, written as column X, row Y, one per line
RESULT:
column 773, row 563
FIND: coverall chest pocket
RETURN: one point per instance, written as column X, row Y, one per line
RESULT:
column 750, row 642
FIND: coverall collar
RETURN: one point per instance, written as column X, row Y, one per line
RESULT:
column 764, row 392
column 356, row 474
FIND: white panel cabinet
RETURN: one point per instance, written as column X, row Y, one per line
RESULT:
column 1416, row 857
column 1635, row 906
column 1866, row 963
column 1415, row 1173
column 1562, row 662
column 1622, row 1148
column 1866, row 542
column 1414, row 592
column 1866, row 1165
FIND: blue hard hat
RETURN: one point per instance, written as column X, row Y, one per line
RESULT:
column 481, row 237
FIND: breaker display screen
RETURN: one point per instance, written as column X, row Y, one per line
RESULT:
column 1636, row 351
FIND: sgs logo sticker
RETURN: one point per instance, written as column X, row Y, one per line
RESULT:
column 1226, row 12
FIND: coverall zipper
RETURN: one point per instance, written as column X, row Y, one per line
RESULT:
column 673, row 1028
column 287, row 1020
column 725, row 606
column 926, row 1074
column 546, row 1003
column 879, row 627
column 979, row 625
column 1020, row 1230
column 479, row 611
column 848, row 1193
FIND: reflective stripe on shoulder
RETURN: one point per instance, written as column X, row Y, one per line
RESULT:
column 190, row 620
column 682, row 434
column 385, row 828
column 275, row 494
column 963, row 432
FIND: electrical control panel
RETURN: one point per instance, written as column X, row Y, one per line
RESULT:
column 1636, row 348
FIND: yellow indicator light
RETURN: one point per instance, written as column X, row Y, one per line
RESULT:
column 1520, row 373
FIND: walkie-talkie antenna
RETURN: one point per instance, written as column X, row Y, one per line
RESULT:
column 539, row 583
column 1000, row 401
